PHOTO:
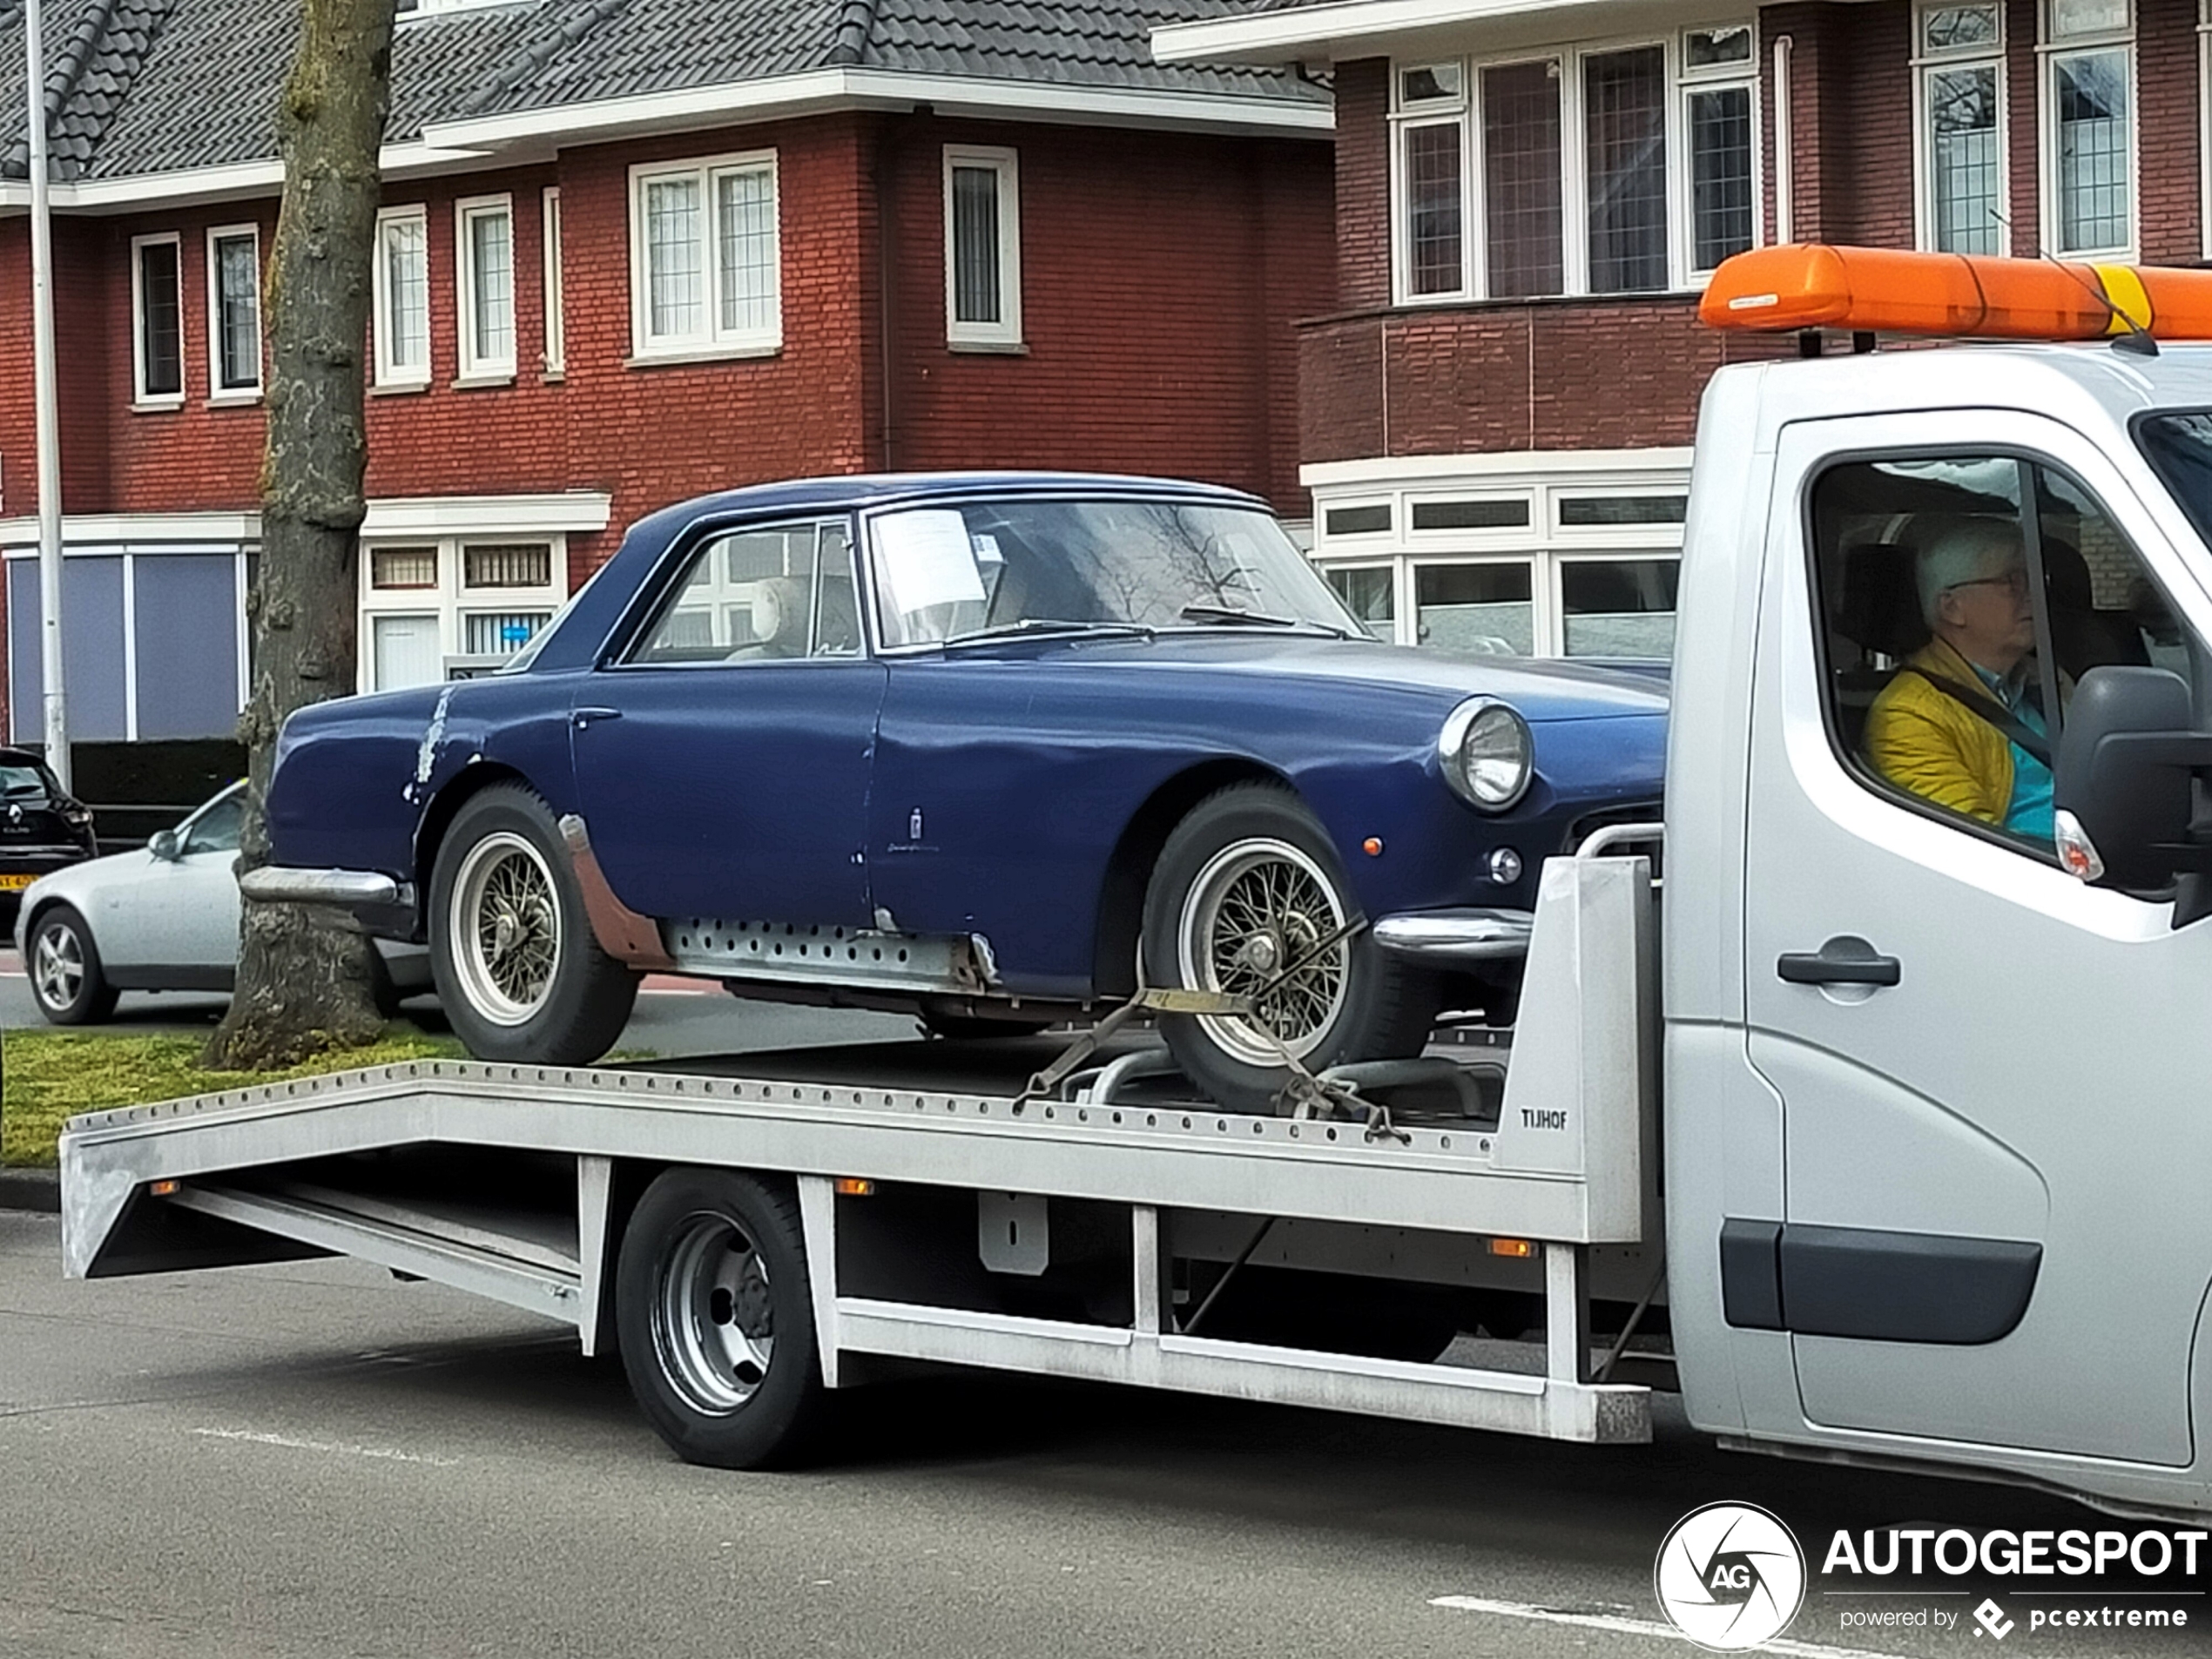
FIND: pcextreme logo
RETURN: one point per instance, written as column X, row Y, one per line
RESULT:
column 1729, row 1577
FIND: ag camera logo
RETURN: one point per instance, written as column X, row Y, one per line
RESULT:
column 1729, row 1577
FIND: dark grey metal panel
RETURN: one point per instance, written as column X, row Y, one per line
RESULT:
column 1904, row 1287
column 1751, row 1274
column 186, row 615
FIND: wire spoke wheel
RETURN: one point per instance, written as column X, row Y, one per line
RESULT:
column 57, row 967
column 713, row 1324
column 1252, row 924
column 506, row 927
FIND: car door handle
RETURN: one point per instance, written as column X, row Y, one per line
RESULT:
column 1842, row 960
column 582, row 717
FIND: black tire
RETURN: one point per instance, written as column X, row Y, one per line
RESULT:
column 382, row 994
column 63, row 965
column 1357, row 1004
column 712, row 1265
column 570, row 999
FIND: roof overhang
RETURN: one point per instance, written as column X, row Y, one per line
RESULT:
column 1343, row 29
column 241, row 181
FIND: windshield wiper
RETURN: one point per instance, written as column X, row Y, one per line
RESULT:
column 1236, row 618
column 1044, row 627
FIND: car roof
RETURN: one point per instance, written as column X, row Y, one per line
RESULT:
column 10, row 755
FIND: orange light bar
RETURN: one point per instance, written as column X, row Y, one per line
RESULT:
column 1883, row 290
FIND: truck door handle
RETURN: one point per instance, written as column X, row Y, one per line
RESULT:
column 1842, row 960
column 582, row 717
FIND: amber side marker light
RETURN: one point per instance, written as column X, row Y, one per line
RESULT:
column 849, row 1186
column 1870, row 290
column 164, row 1189
column 1372, row 846
column 1516, row 1247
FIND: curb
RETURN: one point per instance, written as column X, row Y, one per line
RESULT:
column 37, row 1190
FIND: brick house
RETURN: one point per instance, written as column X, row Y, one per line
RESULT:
column 628, row 254
column 1495, row 422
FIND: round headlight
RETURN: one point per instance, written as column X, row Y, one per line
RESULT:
column 1486, row 754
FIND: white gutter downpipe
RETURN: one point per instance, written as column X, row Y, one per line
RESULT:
column 1784, row 146
column 55, row 697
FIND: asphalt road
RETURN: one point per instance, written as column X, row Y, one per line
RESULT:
column 313, row 1462
column 680, row 1017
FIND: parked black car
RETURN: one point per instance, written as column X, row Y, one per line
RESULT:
column 42, row 827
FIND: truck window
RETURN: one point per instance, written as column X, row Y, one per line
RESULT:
column 1956, row 622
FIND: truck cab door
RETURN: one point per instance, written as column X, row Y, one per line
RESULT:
column 1994, row 1131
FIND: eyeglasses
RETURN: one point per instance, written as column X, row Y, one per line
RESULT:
column 2014, row 580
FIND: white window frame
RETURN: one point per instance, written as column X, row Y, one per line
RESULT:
column 713, row 340
column 217, row 392
column 1005, row 165
column 1571, row 58
column 1924, row 62
column 449, row 602
column 2048, row 51
column 475, row 369
column 555, row 359
column 388, row 373
column 140, row 398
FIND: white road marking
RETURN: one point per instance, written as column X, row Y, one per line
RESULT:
column 382, row 1452
column 1634, row 1627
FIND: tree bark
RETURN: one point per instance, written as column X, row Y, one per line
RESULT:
column 306, row 974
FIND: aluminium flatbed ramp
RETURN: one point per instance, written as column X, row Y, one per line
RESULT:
column 261, row 1173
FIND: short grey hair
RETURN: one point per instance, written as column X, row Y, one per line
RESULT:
column 1970, row 549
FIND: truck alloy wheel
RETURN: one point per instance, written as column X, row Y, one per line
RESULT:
column 517, row 967
column 716, row 1319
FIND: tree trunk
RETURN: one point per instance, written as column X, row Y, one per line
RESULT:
column 305, row 973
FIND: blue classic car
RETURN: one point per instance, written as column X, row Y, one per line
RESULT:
column 984, row 747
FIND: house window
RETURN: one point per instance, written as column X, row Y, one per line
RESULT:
column 1960, row 119
column 402, row 281
column 234, row 311
column 1602, row 168
column 2089, row 207
column 431, row 607
column 982, row 247
column 484, row 242
column 157, row 320
column 557, row 340
column 705, row 262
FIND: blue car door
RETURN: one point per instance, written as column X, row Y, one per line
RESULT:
column 722, row 759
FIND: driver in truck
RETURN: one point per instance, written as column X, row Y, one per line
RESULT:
column 1958, row 725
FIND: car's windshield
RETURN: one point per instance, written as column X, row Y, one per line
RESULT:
column 948, row 573
column 25, row 783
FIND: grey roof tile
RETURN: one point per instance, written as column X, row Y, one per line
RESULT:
column 150, row 86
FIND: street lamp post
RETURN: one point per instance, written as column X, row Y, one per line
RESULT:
column 55, row 698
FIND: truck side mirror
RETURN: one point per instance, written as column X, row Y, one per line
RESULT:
column 164, row 845
column 2124, row 776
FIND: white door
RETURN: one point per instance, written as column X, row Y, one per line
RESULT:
column 2022, row 1113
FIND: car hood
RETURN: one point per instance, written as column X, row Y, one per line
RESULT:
column 1540, row 689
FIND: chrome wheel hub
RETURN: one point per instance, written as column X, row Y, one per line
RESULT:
column 505, row 928
column 1254, row 924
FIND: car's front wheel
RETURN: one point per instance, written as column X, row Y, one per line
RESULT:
column 65, row 970
column 1248, row 898
column 517, row 966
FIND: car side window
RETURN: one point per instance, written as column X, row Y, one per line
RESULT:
column 1962, row 598
column 761, row 594
column 217, row 828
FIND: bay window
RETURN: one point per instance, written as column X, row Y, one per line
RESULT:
column 705, row 261
column 484, row 243
column 401, row 285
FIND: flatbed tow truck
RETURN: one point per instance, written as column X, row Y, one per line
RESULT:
column 1894, row 1129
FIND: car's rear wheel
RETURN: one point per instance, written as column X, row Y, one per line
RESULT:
column 517, row 966
column 715, row 1319
column 65, row 969
column 1248, row 898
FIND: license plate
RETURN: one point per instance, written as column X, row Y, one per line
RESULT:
column 16, row 883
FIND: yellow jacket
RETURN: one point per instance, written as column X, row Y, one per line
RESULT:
column 1922, row 741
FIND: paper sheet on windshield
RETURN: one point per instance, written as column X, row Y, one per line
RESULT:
column 927, row 559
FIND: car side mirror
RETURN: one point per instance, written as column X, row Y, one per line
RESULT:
column 165, row 847
column 2125, row 766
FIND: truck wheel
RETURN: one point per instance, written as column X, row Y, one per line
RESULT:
column 715, row 1319
column 517, row 967
column 1246, row 888
column 65, row 969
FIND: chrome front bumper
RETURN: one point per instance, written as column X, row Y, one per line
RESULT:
column 1469, row 935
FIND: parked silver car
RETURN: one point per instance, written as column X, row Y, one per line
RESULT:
column 162, row 918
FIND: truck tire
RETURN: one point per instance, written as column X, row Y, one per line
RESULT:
column 65, row 970
column 518, row 969
column 715, row 1319
column 1247, row 884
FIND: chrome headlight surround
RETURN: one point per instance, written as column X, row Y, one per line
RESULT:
column 1486, row 754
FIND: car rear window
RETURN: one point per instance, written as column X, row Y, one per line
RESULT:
column 19, row 782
